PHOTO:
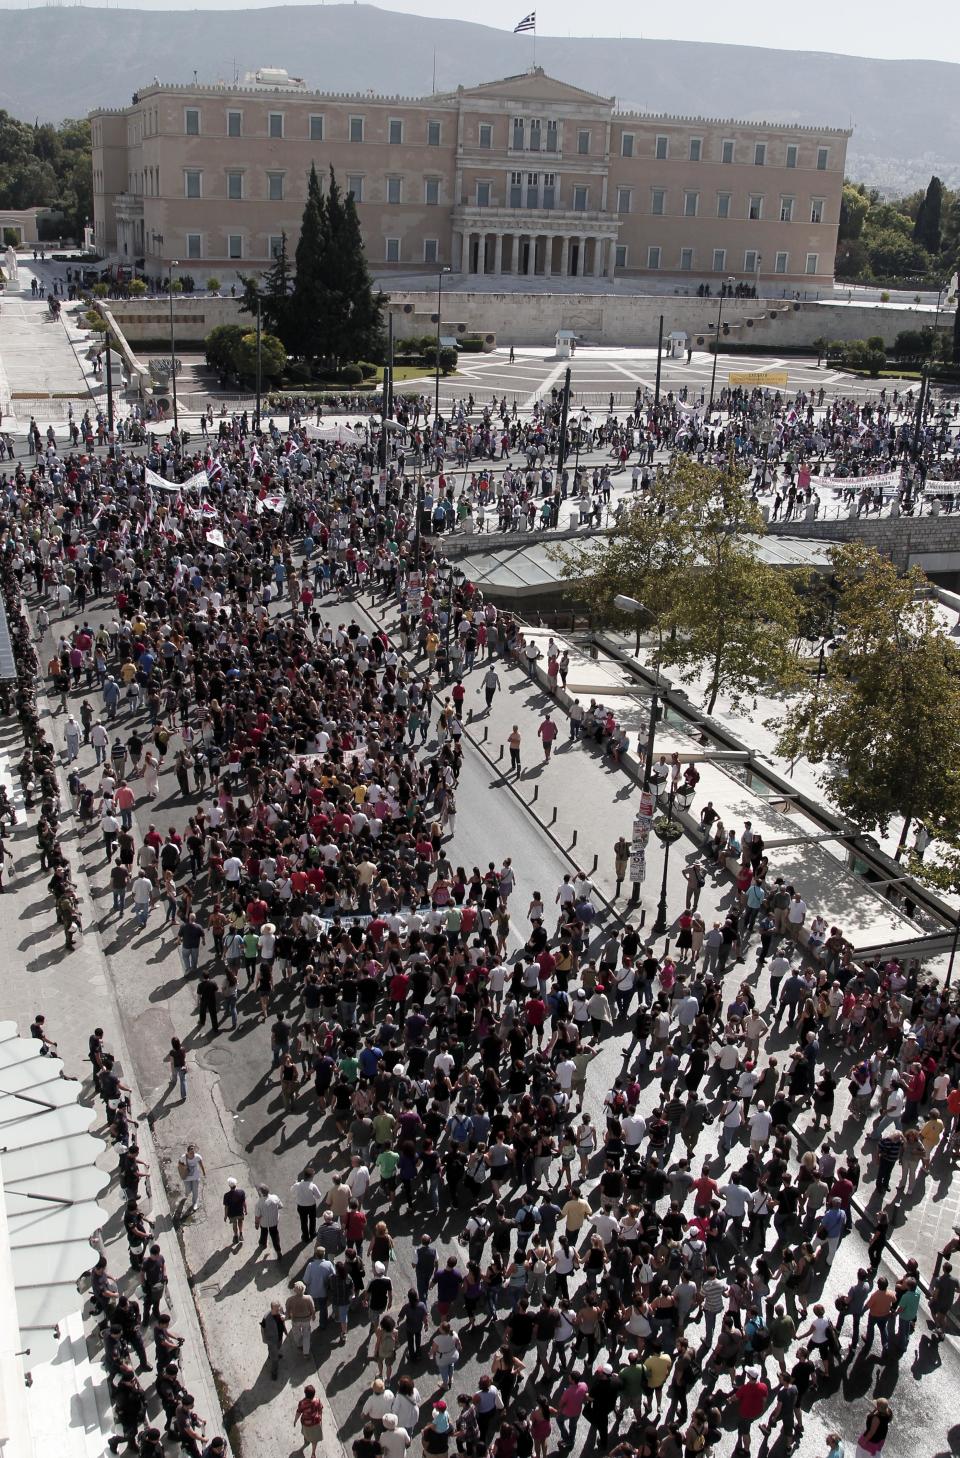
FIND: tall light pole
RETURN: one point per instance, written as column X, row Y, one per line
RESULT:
column 631, row 605
column 436, row 396
column 921, row 402
column 716, row 346
column 174, row 263
column 256, row 418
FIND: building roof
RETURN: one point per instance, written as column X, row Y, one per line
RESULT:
column 533, row 85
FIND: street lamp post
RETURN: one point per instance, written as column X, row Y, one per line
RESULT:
column 716, row 348
column 924, row 377
column 256, row 418
column 667, row 831
column 174, row 263
column 436, row 396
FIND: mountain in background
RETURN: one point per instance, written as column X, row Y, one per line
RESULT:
column 60, row 62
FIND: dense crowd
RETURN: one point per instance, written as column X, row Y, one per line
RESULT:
column 666, row 1268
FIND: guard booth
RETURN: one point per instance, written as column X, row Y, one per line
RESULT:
column 566, row 341
column 677, row 341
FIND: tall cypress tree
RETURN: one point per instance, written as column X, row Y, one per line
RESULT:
column 275, row 301
column 354, row 320
column 927, row 228
column 308, row 302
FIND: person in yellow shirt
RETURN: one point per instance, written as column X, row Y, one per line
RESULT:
column 931, row 1133
column 657, row 1367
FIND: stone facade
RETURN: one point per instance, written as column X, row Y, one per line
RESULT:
column 525, row 176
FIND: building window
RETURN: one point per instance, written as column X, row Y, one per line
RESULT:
column 516, row 189
column 549, row 197
column 393, row 250
column 551, row 136
column 620, row 260
column 483, row 194
column 275, row 245
column 191, row 184
column 823, row 157
column 431, row 191
column 580, row 199
column 485, row 136
column 533, row 189
column 518, row 134
column 234, row 123
column 393, row 189
column 816, row 210
column 430, row 253
column 355, row 186
column 626, row 144
column 755, row 207
column 275, row 186
column 723, row 205
column 194, row 245
column 624, row 199
column 534, row 143
column 813, row 263
column 433, row 134
column 395, row 132
column 786, row 210
column 658, row 202
column 760, row 154
column 235, row 186
column 234, row 245
column 686, row 259
column 653, row 257
column 750, row 259
column 792, row 155
column 780, row 263
column 275, row 124
column 662, row 149
column 691, row 204
column 696, row 149
column 191, row 121
column 719, row 260
column 316, row 128
column 356, row 129
column 726, row 152
column 583, row 143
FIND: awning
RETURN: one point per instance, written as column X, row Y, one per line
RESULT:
column 51, row 1185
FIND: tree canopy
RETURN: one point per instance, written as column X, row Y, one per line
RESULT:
column 884, row 723
column 46, row 166
column 691, row 556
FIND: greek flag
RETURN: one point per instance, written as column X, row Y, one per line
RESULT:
column 529, row 22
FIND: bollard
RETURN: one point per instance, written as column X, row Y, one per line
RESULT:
column 553, row 818
column 536, row 792
column 635, row 894
column 643, row 916
column 574, row 841
column 486, row 734
column 500, row 755
column 596, row 862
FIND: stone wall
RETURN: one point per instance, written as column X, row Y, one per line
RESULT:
column 193, row 317
column 930, row 542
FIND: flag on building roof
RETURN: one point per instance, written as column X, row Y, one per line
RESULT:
column 529, row 22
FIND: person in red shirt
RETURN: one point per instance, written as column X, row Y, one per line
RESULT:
column 704, row 1190
column 751, row 1399
column 536, row 1015
column 257, row 912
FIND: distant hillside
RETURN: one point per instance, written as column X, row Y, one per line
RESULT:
column 61, row 62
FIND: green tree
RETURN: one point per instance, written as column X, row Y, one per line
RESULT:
column 737, row 616
column 854, row 206
column 894, row 254
column 222, row 346
column 354, row 315
column 926, row 229
column 273, row 356
column 885, row 721
column 308, row 304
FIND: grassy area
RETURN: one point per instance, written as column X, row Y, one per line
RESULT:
column 408, row 372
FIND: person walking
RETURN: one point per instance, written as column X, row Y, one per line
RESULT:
column 547, row 733
column 273, row 1329
column 513, row 744
column 875, row 1429
column 266, row 1218
column 300, row 1312
column 309, row 1418
column 177, row 1058
column 192, row 1172
column 235, row 1209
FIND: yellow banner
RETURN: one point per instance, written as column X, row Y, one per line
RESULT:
column 777, row 378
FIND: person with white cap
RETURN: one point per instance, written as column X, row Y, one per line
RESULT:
column 235, row 1209
column 379, row 1295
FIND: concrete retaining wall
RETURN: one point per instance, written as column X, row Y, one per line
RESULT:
column 193, row 317
column 930, row 542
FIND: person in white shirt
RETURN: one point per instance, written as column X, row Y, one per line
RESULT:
column 308, row 1200
column 358, row 1180
column 760, row 1125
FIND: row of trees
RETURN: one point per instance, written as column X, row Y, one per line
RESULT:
column 325, row 307
column 909, row 237
column 46, row 166
column 882, row 720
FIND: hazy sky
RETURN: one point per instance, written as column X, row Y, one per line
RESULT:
column 857, row 27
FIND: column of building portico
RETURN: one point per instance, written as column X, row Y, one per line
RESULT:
column 498, row 253
column 611, row 258
column 582, row 258
column 598, row 258
column 564, row 256
column 548, row 255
